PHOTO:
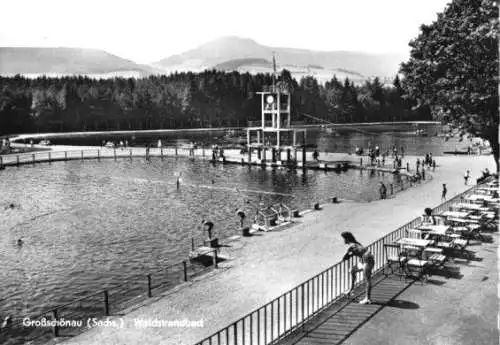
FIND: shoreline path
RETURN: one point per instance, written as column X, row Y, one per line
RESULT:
column 275, row 262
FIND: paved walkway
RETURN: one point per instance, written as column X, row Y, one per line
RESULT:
column 273, row 263
column 461, row 310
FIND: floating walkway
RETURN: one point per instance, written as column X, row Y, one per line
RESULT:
column 232, row 156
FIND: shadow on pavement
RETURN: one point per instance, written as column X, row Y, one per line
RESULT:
column 396, row 303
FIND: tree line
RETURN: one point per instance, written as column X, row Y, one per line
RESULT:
column 188, row 100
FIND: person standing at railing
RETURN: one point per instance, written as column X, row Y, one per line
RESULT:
column 445, row 190
column 366, row 264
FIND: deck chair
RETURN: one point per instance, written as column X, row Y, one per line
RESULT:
column 394, row 257
column 436, row 258
column 415, row 263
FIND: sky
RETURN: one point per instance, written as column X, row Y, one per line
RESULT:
column 149, row 30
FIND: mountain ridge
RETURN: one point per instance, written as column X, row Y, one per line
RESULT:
column 229, row 48
column 65, row 61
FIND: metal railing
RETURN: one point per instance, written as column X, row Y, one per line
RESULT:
column 103, row 153
column 106, row 302
column 290, row 311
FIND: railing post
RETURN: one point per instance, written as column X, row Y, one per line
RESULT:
column 114, row 153
column 50, row 158
column 361, row 162
column 17, row 159
column 184, row 264
column 192, row 243
column 407, row 166
column 176, row 150
column 33, row 158
column 65, row 155
column 130, row 154
column 149, row 285
column 161, row 152
column 106, row 303
column 82, row 155
column 55, row 328
column 302, row 293
column 203, row 151
column 1, row 161
column 98, row 154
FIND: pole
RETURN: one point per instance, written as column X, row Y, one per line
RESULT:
column 149, row 286
column 55, row 328
column 106, row 303
column 184, row 264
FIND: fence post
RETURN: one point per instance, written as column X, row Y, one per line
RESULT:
column 17, row 159
column 55, row 328
column 184, row 264
column 361, row 162
column 114, row 153
column 98, row 154
column 82, row 155
column 161, row 152
column 106, row 303
column 49, row 158
column 65, row 155
column 176, row 150
column 33, row 158
column 1, row 161
column 149, row 285
column 215, row 258
column 130, row 154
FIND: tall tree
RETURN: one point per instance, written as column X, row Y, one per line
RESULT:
column 453, row 68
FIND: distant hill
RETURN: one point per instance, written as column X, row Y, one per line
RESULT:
column 244, row 54
column 33, row 62
column 258, row 65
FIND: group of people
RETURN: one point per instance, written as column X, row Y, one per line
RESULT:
column 208, row 225
column 217, row 152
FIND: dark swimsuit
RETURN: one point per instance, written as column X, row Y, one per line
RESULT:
column 363, row 253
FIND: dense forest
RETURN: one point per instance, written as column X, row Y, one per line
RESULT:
column 187, row 100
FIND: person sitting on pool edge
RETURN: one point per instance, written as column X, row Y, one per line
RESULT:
column 366, row 264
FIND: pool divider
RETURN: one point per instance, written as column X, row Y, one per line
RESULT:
column 408, row 179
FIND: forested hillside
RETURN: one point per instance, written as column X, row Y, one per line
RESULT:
column 186, row 100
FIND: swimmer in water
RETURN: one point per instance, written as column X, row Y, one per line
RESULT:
column 20, row 242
